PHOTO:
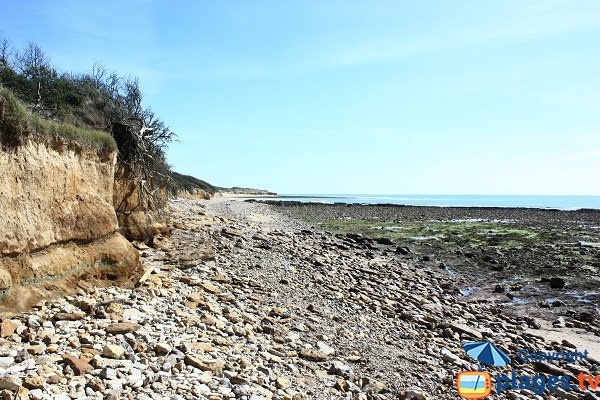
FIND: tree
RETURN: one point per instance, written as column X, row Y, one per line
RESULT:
column 5, row 52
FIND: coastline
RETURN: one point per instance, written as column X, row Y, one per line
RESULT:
column 505, row 254
column 243, row 299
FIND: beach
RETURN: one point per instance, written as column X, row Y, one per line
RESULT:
column 251, row 301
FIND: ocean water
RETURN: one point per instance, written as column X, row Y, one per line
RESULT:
column 550, row 202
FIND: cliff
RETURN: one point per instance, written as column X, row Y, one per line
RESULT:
column 187, row 186
column 57, row 218
column 140, row 216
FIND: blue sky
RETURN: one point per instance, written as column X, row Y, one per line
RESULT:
column 438, row 97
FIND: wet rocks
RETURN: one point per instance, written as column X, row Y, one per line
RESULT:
column 557, row 283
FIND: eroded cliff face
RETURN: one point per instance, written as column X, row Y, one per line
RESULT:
column 139, row 215
column 56, row 215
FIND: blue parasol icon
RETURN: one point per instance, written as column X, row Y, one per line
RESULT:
column 487, row 353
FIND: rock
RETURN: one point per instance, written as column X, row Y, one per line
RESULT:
column 340, row 369
column 402, row 250
column 282, row 383
column 206, row 365
column 122, row 328
column 35, row 382
column 162, row 348
column 489, row 259
column 325, row 349
column 206, row 377
column 342, row 385
column 36, row 349
column 113, row 351
column 585, row 317
column 466, row 330
column 71, row 316
column 314, row 309
column 8, row 327
column 373, row 386
column 80, row 367
column 412, row 395
column 10, row 383
column 384, row 241
column 232, row 232
column 313, row 355
column 279, row 312
column 114, row 308
column 210, row 288
column 557, row 283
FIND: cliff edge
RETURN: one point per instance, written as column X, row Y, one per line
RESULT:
column 57, row 218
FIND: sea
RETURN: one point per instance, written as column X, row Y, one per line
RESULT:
column 548, row 202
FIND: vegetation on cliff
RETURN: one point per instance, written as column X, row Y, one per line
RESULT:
column 84, row 104
column 191, row 184
column 18, row 123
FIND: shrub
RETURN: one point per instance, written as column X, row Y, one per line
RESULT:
column 18, row 123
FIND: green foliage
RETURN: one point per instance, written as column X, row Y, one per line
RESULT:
column 86, row 103
column 497, row 234
column 190, row 183
column 18, row 123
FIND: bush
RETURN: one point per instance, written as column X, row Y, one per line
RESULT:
column 18, row 123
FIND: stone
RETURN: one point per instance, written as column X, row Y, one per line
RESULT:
column 71, row 316
column 36, row 349
column 114, row 308
column 466, row 330
column 373, row 386
column 205, row 365
column 412, row 395
column 340, row 369
column 282, row 383
column 313, row 355
column 557, row 283
column 162, row 348
column 325, row 349
column 35, row 382
column 232, row 232
column 384, row 241
column 7, row 328
column 585, row 316
column 10, row 383
column 402, row 250
column 206, row 377
column 80, row 367
column 209, row 287
column 113, row 351
column 342, row 385
column 122, row 328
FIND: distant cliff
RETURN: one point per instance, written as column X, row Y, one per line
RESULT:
column 189, row 186
column 246, row 191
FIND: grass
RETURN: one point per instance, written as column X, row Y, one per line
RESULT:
column 494, row 234
column 17, row 123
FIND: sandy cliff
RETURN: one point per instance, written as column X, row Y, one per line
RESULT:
column 57, row 217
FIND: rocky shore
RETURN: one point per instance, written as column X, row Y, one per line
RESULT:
column 245, row 301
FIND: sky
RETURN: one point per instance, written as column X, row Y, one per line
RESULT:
column 390, row 97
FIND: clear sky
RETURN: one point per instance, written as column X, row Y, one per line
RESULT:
column 446, row 97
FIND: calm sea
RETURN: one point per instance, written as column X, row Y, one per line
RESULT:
column 556, row 202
